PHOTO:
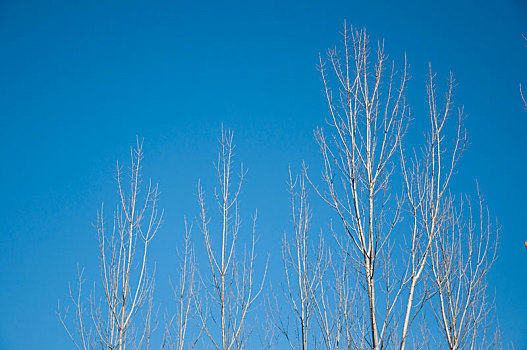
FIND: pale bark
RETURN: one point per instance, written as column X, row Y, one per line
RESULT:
column 234, row 288
column 186, row 294
column 304, row 268
column 126, row 279
column 367, row 120
column 461, row 258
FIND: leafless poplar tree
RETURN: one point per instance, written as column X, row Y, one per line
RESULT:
column 427, row 181
column 462, row 255
column 304, row 267
column 367, row 123
column 367, row 117
column 234, row 290
column 339, row 307
column 122, row 317
column 186, row 293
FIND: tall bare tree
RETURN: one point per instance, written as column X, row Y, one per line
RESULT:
column 368, row 121
column 367, row 117
column 126, row 279
column 234, row 290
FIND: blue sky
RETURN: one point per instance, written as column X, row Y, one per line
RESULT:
column 79, row 81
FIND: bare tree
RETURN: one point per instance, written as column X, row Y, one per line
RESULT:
column 304, row 268
column 462, row 255
column 267, row 334
column 367, row 116
column 127, row 282
column 186, row 294
column 427, row 180
column 320, row 286
column 340, row 309
column 367, row 123
column 234, row 290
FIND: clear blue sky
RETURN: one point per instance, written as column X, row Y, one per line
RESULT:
column 79, row 81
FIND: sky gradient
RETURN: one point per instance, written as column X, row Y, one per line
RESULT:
column 79, row 82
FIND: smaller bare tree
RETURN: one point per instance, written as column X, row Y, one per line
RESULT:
column 185, row 294
column 234, row 290
column 462, row 255
column 304, row 268
column 339, row 309
column 427, row 179
column 127, row 283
